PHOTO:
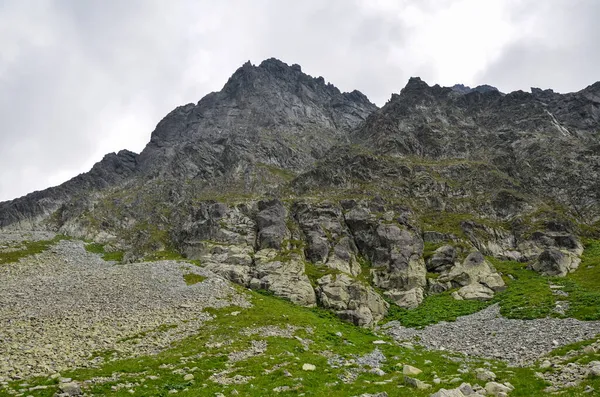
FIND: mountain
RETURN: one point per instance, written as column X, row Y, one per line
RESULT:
column 281, row 182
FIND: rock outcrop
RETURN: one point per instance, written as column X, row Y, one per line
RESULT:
column 351, row 299
column 476, row 277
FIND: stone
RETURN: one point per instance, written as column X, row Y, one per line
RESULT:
column 351, row 300
column 188, row 377
column 416, row 383
column 442, row 259
column 308, row 367
column 496, row 389
column 552, row 262
column 447, row 393
column 545, row 364
column 407, row 299
column 476, row 277
column 410, row 370
column 466, row 389
column 594, row 371
column 589, row 350
column 485, row 374
column 474, row 292
column 70, row 389
column 377, row 371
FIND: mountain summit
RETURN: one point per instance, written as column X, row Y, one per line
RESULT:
column 281, row 182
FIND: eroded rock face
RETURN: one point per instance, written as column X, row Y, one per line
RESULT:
column 286, row 279
column 553, row 253
column 328, row 239
column 443, row 259
column 273, row 130
column 407, row 299
column 476, row 278
column 496, row 242
column 271, row 224
column 351, row 300
column 394, row 249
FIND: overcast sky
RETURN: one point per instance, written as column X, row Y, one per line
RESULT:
column 79, row 79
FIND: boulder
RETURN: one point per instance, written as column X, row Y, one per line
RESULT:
column 407, row 299
column 497, row 389
column 476, row 277
column 351, row 299
column 416, row 383
column 410, row 370
column 286, row 279
column 70, row 389
column 447, row 393
column 485, row 374
column 553, row 262
column 474, row 291
column 442, row 259
column 464, row 390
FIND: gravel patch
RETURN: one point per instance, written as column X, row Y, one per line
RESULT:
column 66, row 307
column 487, row 334
column 9, row 237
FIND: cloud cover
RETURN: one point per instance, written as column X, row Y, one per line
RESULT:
column 79, row 79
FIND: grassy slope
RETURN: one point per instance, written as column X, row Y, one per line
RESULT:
column 107, row 256
column 269, row 310
column 528, row 296
column 27, row 248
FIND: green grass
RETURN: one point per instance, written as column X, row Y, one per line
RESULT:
column 429, row 248
column 28, row 248
column 315, row 272
column 320, row 327
column 97, row 248
column 193, row 278
column 528, row 295
column 164, row 255
column 435, row 308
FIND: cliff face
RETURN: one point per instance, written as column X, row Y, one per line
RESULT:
column 547, row 142
column 282, row 182
column 272, row 114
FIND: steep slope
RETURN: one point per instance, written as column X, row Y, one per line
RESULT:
column 548, row 142
column 272, row 114
column 27, row 212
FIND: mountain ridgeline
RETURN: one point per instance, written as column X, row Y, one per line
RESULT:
column 281, row 182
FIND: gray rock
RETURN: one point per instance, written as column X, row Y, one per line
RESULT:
column 270, row 220
column 70, row 389
column 351, row 299
column 442, row 259
column 477, row 278
column 552, row 263
column 416, row 383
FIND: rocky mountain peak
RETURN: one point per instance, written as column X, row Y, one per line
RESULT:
column 463, row 89
column 272, row 113
column 415, row 84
